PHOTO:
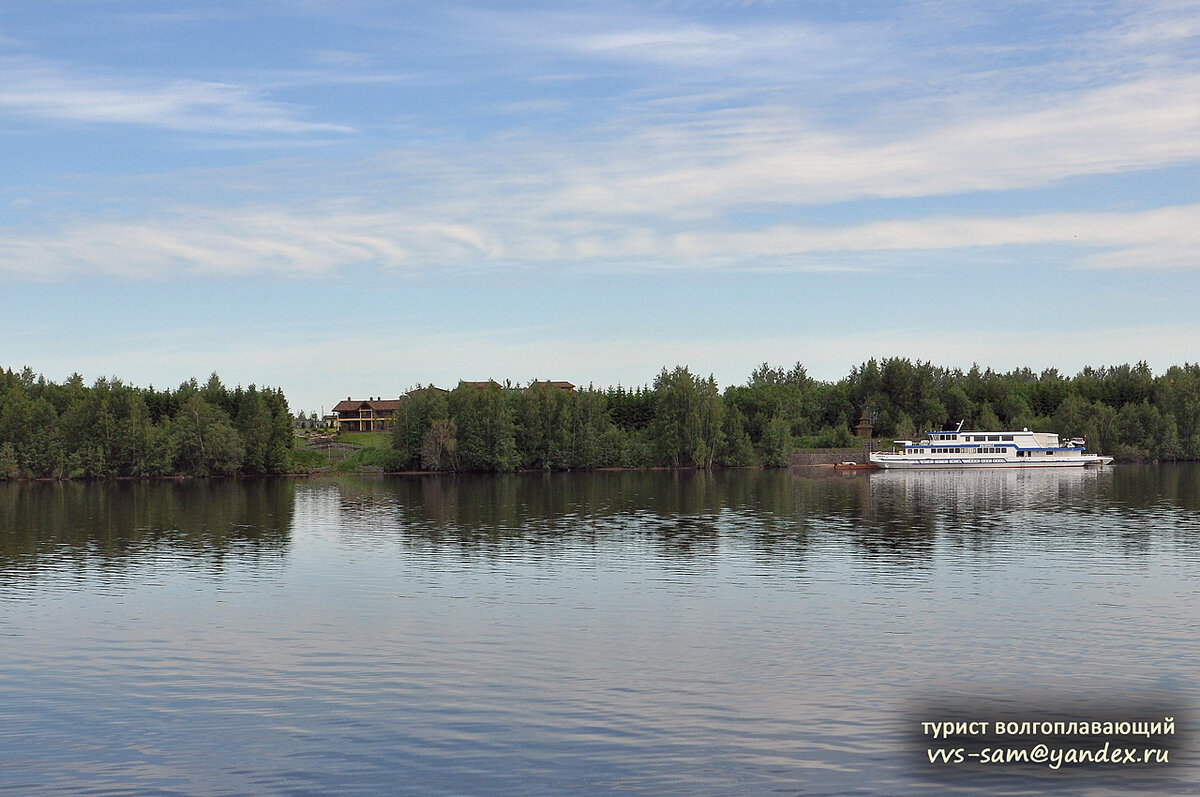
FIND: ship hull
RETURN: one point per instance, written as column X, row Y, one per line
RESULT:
column 921, row 463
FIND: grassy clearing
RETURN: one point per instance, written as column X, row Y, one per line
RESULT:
column 349, row 452
column 366, row 439
column 302, row 460
column 368, row 459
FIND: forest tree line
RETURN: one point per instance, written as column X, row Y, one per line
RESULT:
column 681, row 420
column 111, row 429
column 685, row 420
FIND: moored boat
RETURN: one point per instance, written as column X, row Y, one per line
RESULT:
column 959, row 449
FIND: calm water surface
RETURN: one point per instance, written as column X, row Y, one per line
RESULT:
column 741, row 632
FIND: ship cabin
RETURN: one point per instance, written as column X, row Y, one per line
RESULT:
column 1021, row 444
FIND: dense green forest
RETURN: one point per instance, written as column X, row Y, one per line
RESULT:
column 681, row 420
column 111, row 429
column 686, row 420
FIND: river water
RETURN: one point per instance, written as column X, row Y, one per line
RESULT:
column 737, row 632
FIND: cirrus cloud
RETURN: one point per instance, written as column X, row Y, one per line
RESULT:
column 46, row 91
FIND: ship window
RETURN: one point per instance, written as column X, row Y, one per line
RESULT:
column 1049, row 453
column 1020, row 453
column 1006, row 438
column 993, row 437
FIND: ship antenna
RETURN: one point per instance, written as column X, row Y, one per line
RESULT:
column 960, row 423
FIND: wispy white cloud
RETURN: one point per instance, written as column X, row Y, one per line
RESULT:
column 545, row 202
column 1161, row 238
column 37, row 89
column 662, row 183
column 687, row 44
column 772, row 154
column 255, row 241
column 206, row 243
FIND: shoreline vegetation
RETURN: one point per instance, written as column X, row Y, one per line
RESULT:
column 682, row 420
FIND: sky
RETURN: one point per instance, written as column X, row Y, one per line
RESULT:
column 352, row 198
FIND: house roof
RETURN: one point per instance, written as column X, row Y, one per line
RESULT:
column 375, row 404
column 560, row 385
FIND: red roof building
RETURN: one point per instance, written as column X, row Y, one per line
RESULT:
column 369, row 415
column 567, row 386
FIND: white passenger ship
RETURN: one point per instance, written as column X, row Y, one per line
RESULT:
column 959, row 449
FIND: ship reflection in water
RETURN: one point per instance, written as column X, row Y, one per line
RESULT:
column 996, row 488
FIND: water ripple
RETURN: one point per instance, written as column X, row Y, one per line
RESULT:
column 729, row 633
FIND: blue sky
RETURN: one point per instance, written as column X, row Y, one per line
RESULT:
column 350, row 198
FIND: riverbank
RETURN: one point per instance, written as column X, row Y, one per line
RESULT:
column 357, row 463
